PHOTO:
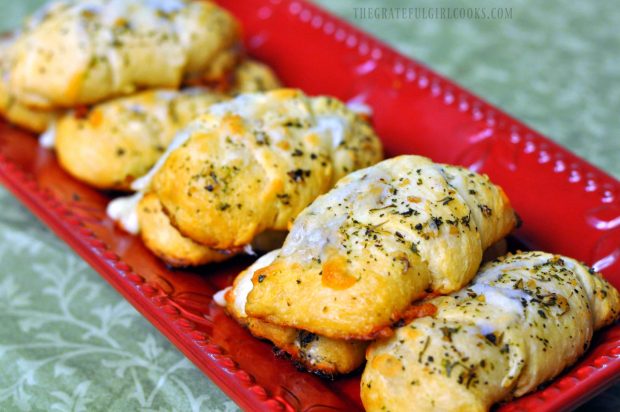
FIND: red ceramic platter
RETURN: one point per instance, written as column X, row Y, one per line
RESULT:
column 567, row 206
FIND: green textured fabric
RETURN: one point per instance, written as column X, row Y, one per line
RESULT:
column 68, row 341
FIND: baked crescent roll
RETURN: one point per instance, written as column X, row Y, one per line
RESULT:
column 11, row 108
column 121, row 139
column 253, row 163
column 328, row 124
column 523, row 320
column 313, row 352
column 80, row 52
column 359, row 256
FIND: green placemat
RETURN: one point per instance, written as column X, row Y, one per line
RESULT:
column 68, row 341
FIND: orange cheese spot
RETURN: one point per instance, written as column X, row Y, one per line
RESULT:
column 313, row 139
column 204, row 140
column 405, row 182
column 414, row 199
column 277, row 185
column 95, row 118
column 411, row 334
column 335, row 275
column 73, row 88
column 419, row 310
column 283, row 144
column 261, row 274
column 374, row 189
column 234, row 123
column 364, row 116
column 564, row 306
column 150, row 97
column 387, row 365
column 80, row 112
column 285, row 93
column 382, row 332
column 120, row 22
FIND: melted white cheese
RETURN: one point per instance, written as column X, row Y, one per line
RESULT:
column 244, row 284
column 243, row 105
column 113, row 11
column 169, row 95
column 116, row 63
column 507, row 300
column 309, row 236
column 331, row 126
column 359, row 108
column 167, row 6
column 124, row 210
column 220, row 297
column 144, row 182
column 47, row 139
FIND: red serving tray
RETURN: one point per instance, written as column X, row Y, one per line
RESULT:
column 567, row 205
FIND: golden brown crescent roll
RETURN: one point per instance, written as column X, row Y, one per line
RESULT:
column 314, row 352
column 359, row 256
column 523, row 320
column 253, row 163
column 12, row 109
column 121, row 139
column 80, row 52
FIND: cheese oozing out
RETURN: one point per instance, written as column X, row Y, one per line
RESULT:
column 245, row 285
column 124, row 210
column 47, row 139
